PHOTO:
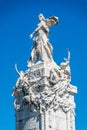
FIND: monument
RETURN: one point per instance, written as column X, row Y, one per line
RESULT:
column 44, row 96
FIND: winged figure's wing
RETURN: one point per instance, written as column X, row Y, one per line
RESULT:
column 52, row 21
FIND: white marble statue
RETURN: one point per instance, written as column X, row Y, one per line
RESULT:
column 43, row 92
column 42, row 48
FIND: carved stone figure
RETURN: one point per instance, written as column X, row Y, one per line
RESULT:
column 42, row 48
column 65, row 69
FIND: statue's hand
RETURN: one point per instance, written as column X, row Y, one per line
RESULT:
column 31, row 35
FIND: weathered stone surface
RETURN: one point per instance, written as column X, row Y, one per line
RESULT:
column 44, row 96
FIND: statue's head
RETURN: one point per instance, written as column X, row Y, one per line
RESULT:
column 41, row 17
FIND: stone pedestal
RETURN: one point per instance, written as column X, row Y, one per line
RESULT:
column 44, row 100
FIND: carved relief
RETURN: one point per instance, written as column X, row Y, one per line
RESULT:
column 52, row 91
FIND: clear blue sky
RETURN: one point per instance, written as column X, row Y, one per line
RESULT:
column 18, row 18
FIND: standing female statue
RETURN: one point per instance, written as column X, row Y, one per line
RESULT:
column 42, row 48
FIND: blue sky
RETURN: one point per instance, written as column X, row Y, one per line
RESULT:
column 17, row 20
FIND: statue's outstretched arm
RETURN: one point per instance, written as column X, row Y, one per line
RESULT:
column 68, row 55
column 36, row 30
column 67, row 59
column 17, row 69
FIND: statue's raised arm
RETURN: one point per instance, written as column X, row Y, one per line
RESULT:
column 42, row 48
column 45, row 24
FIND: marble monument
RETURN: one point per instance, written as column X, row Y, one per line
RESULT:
column 44, row 96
